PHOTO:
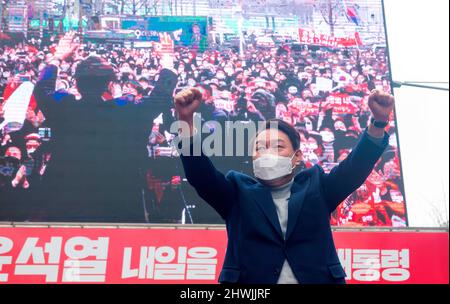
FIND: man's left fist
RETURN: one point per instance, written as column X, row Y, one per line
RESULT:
column 381, row 104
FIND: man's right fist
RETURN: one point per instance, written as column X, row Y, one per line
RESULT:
column 186, row 103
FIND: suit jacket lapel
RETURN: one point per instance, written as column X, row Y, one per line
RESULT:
column 263, row 198
column 296, row 200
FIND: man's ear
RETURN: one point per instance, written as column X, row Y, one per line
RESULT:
column 298, row 157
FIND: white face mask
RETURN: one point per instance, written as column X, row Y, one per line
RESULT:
column 340, row 126
column 191, row 83
column 126, row 70
column 327, row 136
column 221, row 76
column 309, row 126
column 312, row 147
column 229, row 72
column 31, row 151
column 270, row 167
column 293, row 90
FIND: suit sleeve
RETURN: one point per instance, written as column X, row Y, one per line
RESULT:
column 211, row 185
column 346, row 178
column 45, row 89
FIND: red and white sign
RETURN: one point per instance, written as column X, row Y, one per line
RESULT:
column 311, row 38
column 157, row 256
column 341, row 104
column 224, row 104
column 265, row 42
column 299, row 106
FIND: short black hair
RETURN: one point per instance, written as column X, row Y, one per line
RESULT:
column 286, row 128
column 143, row 79
column 93, row 76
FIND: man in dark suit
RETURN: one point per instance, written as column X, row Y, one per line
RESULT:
column 278, row 223
column 99, row 154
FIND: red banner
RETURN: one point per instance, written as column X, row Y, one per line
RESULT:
column 311, row 38
column 300, row 107
column 341, row 104
column 158, row 256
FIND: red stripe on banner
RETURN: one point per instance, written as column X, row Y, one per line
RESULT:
column 312, row 38
column 158, row 256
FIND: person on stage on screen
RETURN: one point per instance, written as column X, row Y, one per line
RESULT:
column 278, row 222
column 98, row 146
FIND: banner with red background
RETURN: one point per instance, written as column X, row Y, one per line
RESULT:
column 195, row 256
column 312, row 38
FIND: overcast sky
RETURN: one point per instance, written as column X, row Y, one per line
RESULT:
column 419, row 48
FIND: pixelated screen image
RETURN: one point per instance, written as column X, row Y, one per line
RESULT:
column 86, row 102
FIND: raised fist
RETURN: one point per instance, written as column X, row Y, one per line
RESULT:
column 381, row 104
column 186, row 103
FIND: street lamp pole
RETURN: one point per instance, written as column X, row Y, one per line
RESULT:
column 80, row 21
column 1, row 15
column 241, row 30
column 41, row 18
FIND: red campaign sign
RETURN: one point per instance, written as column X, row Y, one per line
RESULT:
column 311, row 38
column 341, row 104
column 300, row 107
column 224, row 104
column 158, row 256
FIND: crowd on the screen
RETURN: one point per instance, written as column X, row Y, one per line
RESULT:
column 258, row 84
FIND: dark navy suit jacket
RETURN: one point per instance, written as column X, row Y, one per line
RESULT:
column 99, row 153
column 256, row 248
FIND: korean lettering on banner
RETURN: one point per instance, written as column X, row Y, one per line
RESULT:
column 374, row 265
column 311, row 38
column 6, row 245
column 305, row 37
column 85, row 261
column 168, row 263
column 300, row 107
column 341, row 104
column 225, row 104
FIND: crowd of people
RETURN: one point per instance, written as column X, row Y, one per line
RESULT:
column 321, row 91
